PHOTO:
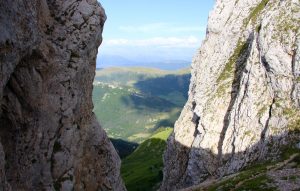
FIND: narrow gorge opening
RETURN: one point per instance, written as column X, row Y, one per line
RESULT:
column 142, row 79
column 239, row 126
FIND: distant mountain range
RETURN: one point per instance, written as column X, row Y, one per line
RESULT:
column 106, row 61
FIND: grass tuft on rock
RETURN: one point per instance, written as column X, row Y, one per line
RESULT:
column 255, row 12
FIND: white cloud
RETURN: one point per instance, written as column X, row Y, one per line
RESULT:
column 161, row 28
column 119, row 41
column 167, row 42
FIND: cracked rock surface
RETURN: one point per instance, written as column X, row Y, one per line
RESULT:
column 49, row 137
column 244, row 94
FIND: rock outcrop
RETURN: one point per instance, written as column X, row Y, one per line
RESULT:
column 244, row 96
column 49, row 137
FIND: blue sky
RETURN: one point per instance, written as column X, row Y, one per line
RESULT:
column 154, row 30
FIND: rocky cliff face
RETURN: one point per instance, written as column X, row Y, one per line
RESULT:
column 49, row 137
column 244, row 93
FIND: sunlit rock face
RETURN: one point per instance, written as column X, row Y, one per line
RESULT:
column 244, row 93
column 49, row 137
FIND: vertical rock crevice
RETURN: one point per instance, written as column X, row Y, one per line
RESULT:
column 240, row 65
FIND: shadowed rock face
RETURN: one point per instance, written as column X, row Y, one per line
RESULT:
column 49, row 137
column 244, row 93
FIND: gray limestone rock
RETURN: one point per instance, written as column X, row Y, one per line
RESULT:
column 49, row 136
column 244, row 93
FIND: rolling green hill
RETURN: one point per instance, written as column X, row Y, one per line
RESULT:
column 140, row 105
column 142, row 170
column 131, row 103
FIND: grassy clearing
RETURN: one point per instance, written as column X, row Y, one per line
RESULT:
column 142, row 170
column 162, row 134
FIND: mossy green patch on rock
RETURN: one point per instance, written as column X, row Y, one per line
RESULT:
column 293, row 117
column 295, row 125
column 222, row 89
column 287, row 151
column 230, row 65
column 255, row 12
column 258, row 183
column 248, row 133
column 262, row 110
column 249, row 178
column 286, row 26
column 289, row 112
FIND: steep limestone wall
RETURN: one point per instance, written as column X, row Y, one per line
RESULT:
column 49, row 137
column 244, row 93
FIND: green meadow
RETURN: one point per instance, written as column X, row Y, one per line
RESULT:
column 138, row 107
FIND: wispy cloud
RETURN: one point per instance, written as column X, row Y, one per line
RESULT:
column 162, row 28
column 167, row 42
